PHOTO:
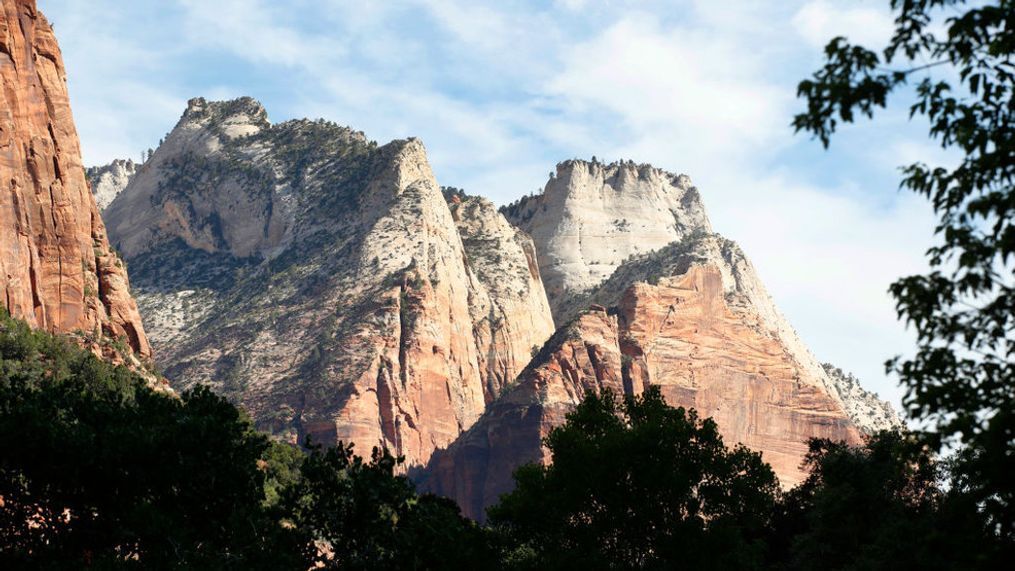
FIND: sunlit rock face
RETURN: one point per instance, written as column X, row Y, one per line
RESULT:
column 336, row 291
column 324, row 282
column 691, row 318
column 58, row 272
column 592, row 217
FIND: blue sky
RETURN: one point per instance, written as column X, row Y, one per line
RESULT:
column 499, row 92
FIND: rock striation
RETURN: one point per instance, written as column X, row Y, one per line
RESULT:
column 58, row 271
column 108, row 181
column 325, row 282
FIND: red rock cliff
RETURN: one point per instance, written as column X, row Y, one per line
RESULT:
column 57, row 269
column 698, row 335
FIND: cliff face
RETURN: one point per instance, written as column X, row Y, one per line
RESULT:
column 510, row 314
column 689, row 322
column 323, row 282
column 108, row 181
column 592, row 217
column 332, row 288
column 692, row 318
column 58, row 271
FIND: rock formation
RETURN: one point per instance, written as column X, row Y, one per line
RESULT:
column 332, row 288
column 865, row 408
column 58, row 271
column 326, row 283
column 509, row 310
column 109, row 180
column 692, row 318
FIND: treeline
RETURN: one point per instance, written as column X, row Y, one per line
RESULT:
column 99, row 471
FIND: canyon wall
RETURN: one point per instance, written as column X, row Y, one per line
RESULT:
column 58, row 271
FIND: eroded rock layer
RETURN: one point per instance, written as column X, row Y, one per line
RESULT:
column 58, row 271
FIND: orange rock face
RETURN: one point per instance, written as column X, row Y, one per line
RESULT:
column 679, row 334
column 58, row 271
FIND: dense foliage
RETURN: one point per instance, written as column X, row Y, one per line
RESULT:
column 954, row 60
column 359, row 515
column 639, row 484
column 97, row 469
column 879, row 506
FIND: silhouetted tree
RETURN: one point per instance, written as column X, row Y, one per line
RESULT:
column 962, row 378
column 98, row 469
column 637, row 484
column 878, row 506
column 359, row 515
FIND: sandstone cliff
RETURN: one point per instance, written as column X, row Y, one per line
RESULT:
column 691, row 319
column 58, row 271
column 108, row 181
column 592, row 217
column 324, row 282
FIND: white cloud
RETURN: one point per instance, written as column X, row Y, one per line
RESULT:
column 678, row 96
column 819, row 21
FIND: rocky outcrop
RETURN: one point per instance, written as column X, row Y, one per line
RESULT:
column 108, row 181
column 324, row 282
column 692, row 319
column 592, row 217
column 867, row 411
column 58, row 271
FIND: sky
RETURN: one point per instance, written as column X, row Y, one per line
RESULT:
column 499, row 92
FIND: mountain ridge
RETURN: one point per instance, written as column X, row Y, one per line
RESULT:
column 329, row 285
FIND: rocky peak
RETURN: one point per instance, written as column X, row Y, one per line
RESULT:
column 325, row 283
column 237, row 117
column 687, row 322
column 57, row 269
column 507, row 301
column 108, row 181
column 591, row 217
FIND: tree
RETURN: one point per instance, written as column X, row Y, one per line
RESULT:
column 359, row 515
column 637, row 484
column 878, row 506
column 97, row 469
column 963, row 311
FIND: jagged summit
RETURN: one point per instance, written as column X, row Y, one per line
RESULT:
column 591, row 217
column 108, row 181
column 323, row 281
column 201, row 107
